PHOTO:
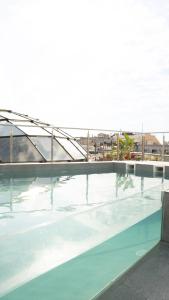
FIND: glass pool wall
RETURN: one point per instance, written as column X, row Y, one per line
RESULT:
column 73, row 235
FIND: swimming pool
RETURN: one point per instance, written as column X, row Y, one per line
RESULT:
column 67, row 237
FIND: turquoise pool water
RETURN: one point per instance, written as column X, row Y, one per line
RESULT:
column 67, row 237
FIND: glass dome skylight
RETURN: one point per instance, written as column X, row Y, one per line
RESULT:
column 24, row 139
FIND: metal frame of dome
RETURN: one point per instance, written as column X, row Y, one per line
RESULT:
column 26, row 139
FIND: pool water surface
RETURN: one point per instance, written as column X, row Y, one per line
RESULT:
column 52, row 228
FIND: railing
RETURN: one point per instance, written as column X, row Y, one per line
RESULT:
column 105, row 144
column 147, row 146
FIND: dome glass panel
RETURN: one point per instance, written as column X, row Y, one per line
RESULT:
column 34, row 130
column 4, row 149
column 44, row 145
column 70, row 148
column 55, row 132
column 77, row 145
column 26, row 139
column 10, row 115
column 6, row 129
column 24, row 150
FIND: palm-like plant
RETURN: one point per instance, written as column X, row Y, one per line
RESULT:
column 126, row 145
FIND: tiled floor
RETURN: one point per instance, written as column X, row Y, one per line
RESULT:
column 147, row 280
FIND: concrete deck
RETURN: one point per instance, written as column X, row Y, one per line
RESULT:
column 147, row 280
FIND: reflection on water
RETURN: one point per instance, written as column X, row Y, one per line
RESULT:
column 66, row 193
column 125, row 181
column 57, row 218
column 15, row 191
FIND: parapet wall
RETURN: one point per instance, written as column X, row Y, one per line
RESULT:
column 145, row 169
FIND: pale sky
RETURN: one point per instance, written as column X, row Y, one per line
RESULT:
column 86, row 63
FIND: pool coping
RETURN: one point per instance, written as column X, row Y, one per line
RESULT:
column 143, row 168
